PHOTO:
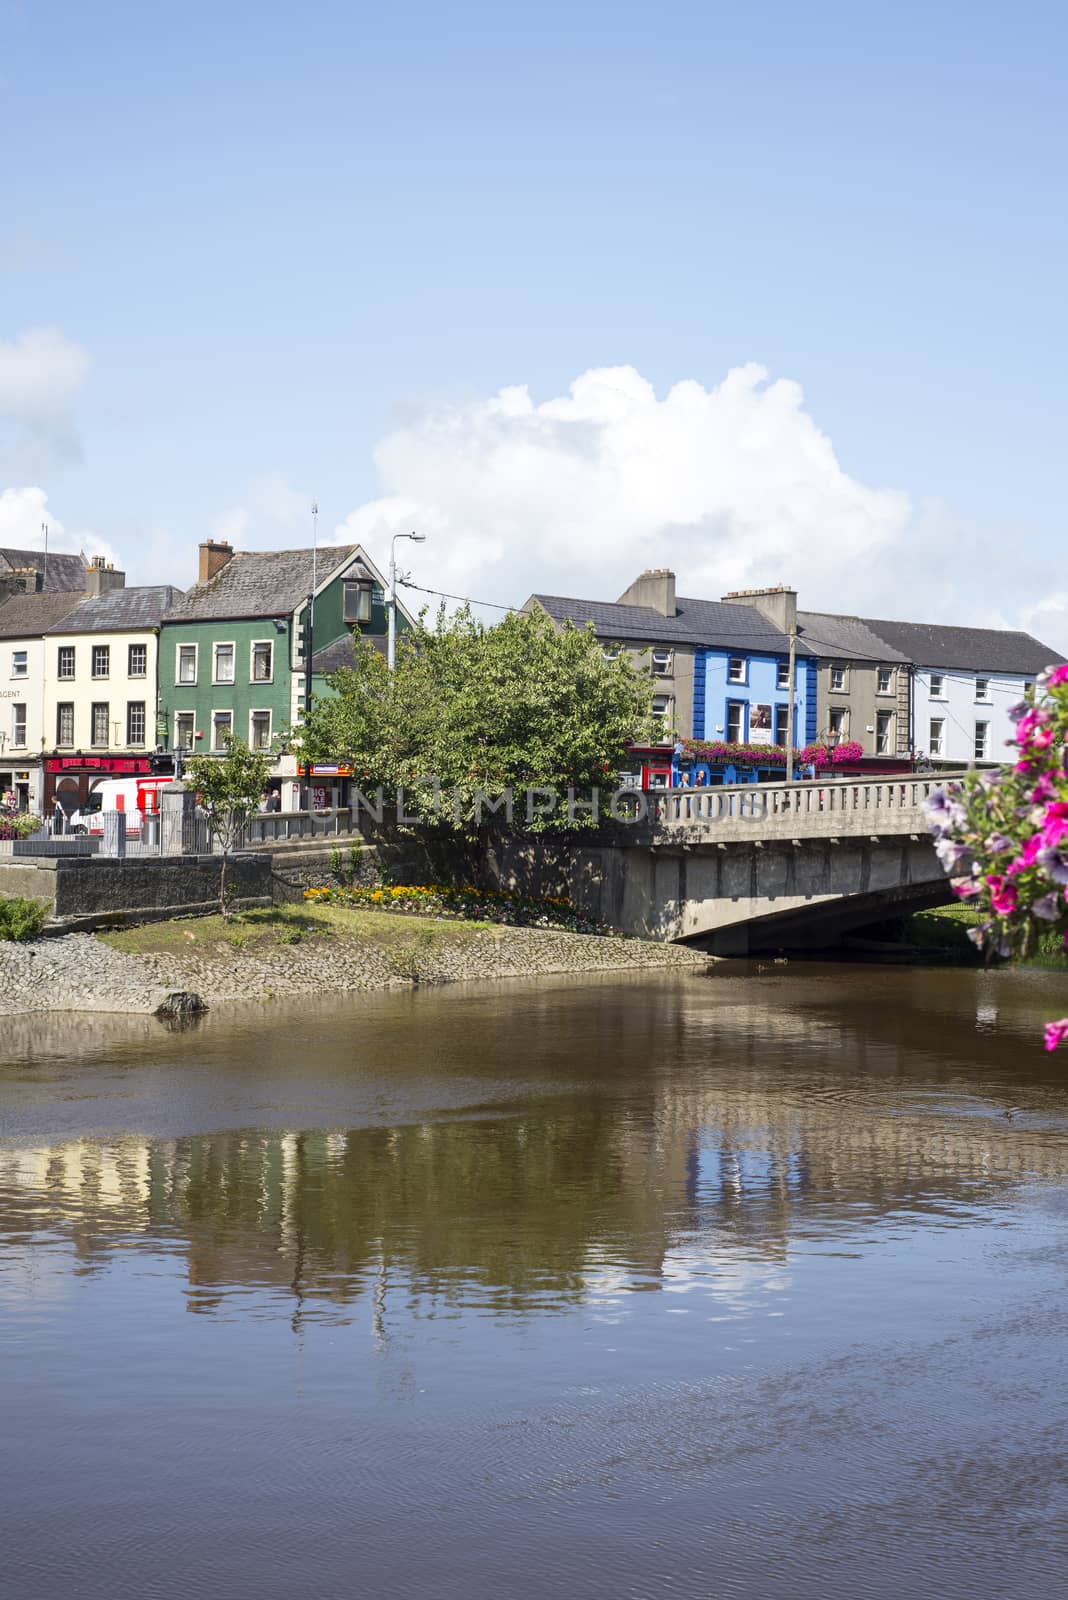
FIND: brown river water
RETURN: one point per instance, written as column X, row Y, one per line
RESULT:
column 751, row 1284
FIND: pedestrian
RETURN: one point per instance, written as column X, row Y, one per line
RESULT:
column 274, row 801
column 59, row 817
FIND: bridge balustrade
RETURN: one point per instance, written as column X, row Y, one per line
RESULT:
column 893, row 800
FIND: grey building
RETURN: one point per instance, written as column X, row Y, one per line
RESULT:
column 862, row 684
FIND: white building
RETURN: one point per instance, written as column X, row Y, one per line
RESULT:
column 100, row 691
column 24, row 618
column 963, row 683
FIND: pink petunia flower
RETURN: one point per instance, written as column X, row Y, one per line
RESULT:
column 1056, row 1033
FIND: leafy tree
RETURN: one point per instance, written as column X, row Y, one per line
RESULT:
column 228, row 787
column 517, row 706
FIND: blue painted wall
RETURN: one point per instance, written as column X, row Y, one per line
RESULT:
column 712, row 692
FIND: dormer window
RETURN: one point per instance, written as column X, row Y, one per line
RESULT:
column 357, row 601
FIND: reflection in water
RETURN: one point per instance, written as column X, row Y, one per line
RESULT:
column 634, row 1287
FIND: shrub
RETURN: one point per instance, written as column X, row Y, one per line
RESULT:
column 21, row 919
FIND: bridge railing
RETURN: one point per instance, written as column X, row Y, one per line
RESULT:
column 875, row 800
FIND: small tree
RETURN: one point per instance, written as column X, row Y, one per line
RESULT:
column 228, row 787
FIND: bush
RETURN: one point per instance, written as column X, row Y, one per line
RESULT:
column 21, row 919
column 18, row 824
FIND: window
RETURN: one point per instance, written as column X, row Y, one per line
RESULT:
column 839, row 722
column 886, row 680
column 735, row 721
column 137, row 661
column 100, row 722
column 782, row 724
column 65, row 723
column 19, row 666
column 357, row 602
column 883, row 723
column 184, row 728
column 937, row 728
column 661, row 705
column 611, row 652
column 262, row 661
column 135, row 722
column 1028, row 686
column 736, row 669
column 187, row 663
column 982, row 688
column 223, row 669
column 782, row 675
column 222, row 724
column 982, row 740
column 259, row 730
column 838, row 679
column 65, row 661
column 662, row 661
column 938, row 686
column 18, row 726
column 101, row 660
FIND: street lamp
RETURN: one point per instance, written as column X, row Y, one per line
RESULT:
column 391, row 648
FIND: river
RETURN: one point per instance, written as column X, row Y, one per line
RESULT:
column 746, row 1284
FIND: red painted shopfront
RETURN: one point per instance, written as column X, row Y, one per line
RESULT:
column 73, row 778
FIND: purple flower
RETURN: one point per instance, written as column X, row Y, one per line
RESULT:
column 950, row 853
column 1053, row 864
column 998, row 842
column 1048, row 908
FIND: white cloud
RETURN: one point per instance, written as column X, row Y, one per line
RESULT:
column 23, row 515
column 271, row 515
column 41, row 371
column 732, row 486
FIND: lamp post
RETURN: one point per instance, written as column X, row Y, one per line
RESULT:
column 391, row 648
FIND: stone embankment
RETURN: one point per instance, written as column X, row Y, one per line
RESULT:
column 81, row 973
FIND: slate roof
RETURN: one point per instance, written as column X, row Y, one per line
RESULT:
column 121, row 610
column 966, row 649
column 698, row 622
column 258, row 583
column 848, row 637
column 342, row 653
column 66, row 573
column 28, row 615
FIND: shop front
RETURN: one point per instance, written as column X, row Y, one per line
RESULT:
column 20, row 787
column 72, row 779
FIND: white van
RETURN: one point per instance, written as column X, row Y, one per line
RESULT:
column 136, row 797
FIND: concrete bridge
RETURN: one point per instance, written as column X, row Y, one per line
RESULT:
column 768, row 866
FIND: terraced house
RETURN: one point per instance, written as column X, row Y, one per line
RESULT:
column 99, row 690
column 232, row 650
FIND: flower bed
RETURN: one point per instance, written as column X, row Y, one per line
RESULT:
column 442, row 900
column 18, row 824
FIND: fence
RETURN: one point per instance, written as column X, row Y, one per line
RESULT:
column 894, row 804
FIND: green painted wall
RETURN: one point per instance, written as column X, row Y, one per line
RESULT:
column 242, row 696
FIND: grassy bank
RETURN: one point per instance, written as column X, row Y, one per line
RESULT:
column 260, row 932
column 944, row 930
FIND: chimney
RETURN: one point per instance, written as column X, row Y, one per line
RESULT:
column 101, row 577
column 778, row 604
column 20, row 580
column 214, row 554
column 655, row 588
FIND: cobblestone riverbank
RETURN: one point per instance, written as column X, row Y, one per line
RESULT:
column 81, row 972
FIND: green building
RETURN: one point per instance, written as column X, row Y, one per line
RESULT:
column 231, row 651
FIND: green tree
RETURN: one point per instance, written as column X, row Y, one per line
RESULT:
column 228, row 788
column 518, row 706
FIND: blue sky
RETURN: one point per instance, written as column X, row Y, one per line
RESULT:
column 294, row 250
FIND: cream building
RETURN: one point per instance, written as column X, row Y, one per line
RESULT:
column 23, row 621
column 100, row 691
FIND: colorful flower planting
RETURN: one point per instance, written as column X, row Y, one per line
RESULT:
column 443, row 900
column 820, row 756
column 1004, row 834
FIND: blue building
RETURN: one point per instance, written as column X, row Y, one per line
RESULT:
column 742, row 696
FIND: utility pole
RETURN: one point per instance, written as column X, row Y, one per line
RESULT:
column 44, row 530
column 309, row 629
column 791, row 730
column 391, row 646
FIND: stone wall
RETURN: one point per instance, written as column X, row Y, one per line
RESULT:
column 91, row 892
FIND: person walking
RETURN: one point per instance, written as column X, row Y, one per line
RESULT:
column 59, row 818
